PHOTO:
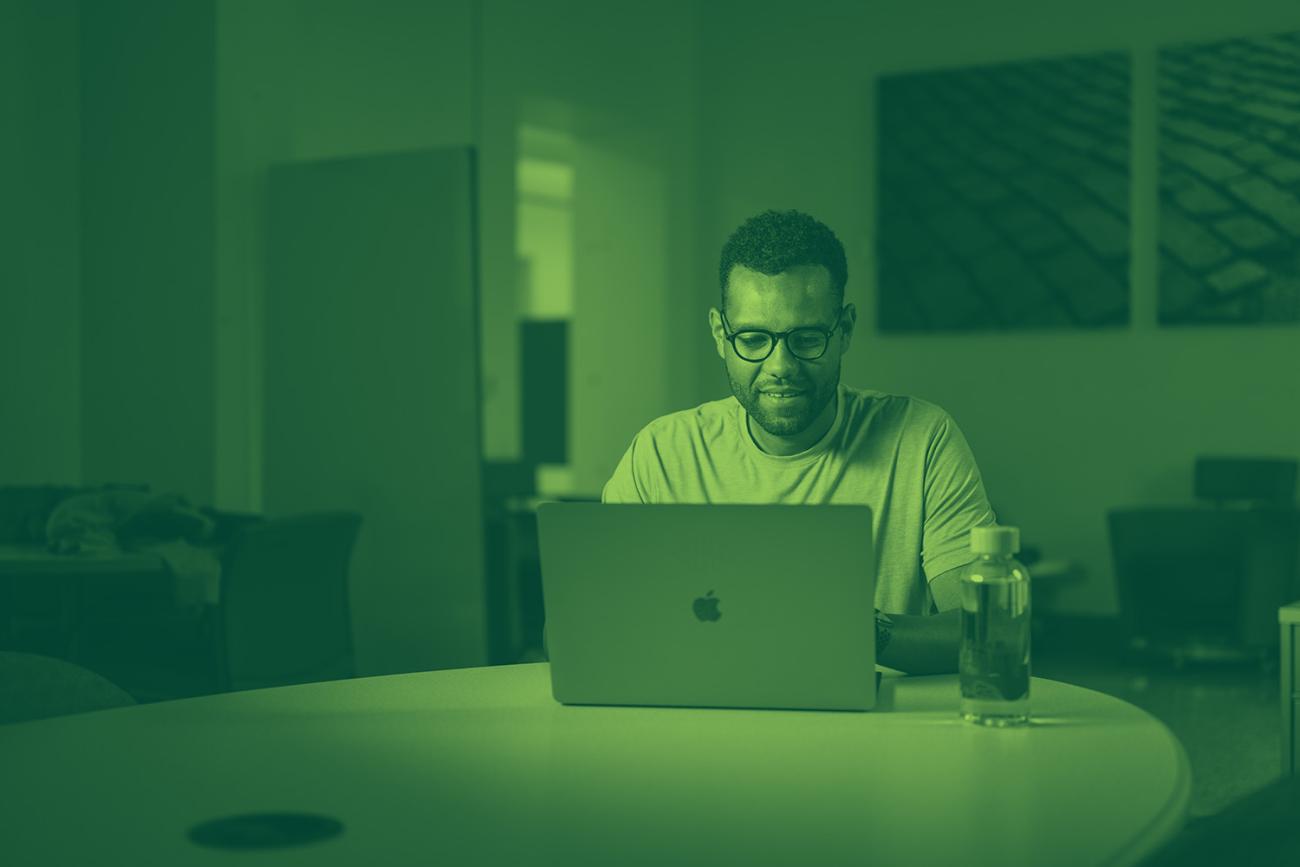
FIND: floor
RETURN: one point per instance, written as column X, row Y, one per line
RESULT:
column 1227, row 715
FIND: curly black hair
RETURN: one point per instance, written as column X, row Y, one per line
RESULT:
column 776, row 241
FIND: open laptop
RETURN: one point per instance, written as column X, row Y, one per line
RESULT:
column 710, row 605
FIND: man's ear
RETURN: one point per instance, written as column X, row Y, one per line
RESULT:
column 719, row 333
column 848, row 321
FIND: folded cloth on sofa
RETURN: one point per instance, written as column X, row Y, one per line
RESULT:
column 25, row 509
column 114, row 520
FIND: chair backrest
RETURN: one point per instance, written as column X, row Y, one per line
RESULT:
column 1178, row 570
column 285, row 614
column 36, row 687
column 1268, row 481
column 1199, row 572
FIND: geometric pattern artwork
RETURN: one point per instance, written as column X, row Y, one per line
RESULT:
column 1003, row 196
column 1230, row 181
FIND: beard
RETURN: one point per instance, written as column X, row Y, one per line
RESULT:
column 779, row 421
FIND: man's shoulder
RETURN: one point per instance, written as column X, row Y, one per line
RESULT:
column 901, row 409
column 663, row 449
column 707, row 420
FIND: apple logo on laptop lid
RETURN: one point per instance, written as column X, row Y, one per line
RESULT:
column 706, row 608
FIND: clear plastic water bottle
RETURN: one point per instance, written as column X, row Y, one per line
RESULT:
column 994, row 659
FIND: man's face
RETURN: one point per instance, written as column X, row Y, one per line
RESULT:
column 783, row 394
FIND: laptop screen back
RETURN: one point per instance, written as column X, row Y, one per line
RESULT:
column 709, row 605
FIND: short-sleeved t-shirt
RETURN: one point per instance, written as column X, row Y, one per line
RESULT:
column 902, row 456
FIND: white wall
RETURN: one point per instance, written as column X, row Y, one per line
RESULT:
column 621, row 81
column 1064, row 425
column 40, row 357
column 303, row 80
column 307, row 79
column 146, row 171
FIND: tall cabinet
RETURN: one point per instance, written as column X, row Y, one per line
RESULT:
column 372, row 390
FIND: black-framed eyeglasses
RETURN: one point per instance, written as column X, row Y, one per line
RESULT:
column 755, row 344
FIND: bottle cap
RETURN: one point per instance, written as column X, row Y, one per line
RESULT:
column 995, row 539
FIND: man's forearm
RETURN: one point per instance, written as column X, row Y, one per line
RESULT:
column 923, row 645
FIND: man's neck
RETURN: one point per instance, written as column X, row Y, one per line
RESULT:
column 802, row 441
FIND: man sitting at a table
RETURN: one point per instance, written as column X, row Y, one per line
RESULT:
column 791, row 433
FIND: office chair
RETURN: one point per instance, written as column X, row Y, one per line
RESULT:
column 36, row 687
column 1267, row 488
column 1205, row 583
column 1253, row 482
column 284, row 615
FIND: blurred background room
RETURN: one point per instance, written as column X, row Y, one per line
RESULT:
column 306, row 304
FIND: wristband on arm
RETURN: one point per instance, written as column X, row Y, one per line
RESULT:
column 884, row 631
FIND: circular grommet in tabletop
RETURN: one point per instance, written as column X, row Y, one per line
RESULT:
column 265, row 831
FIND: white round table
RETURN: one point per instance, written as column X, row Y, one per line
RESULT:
column 481, row 766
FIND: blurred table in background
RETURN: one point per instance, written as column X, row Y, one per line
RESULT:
column 19, row 560
column 30, row 571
